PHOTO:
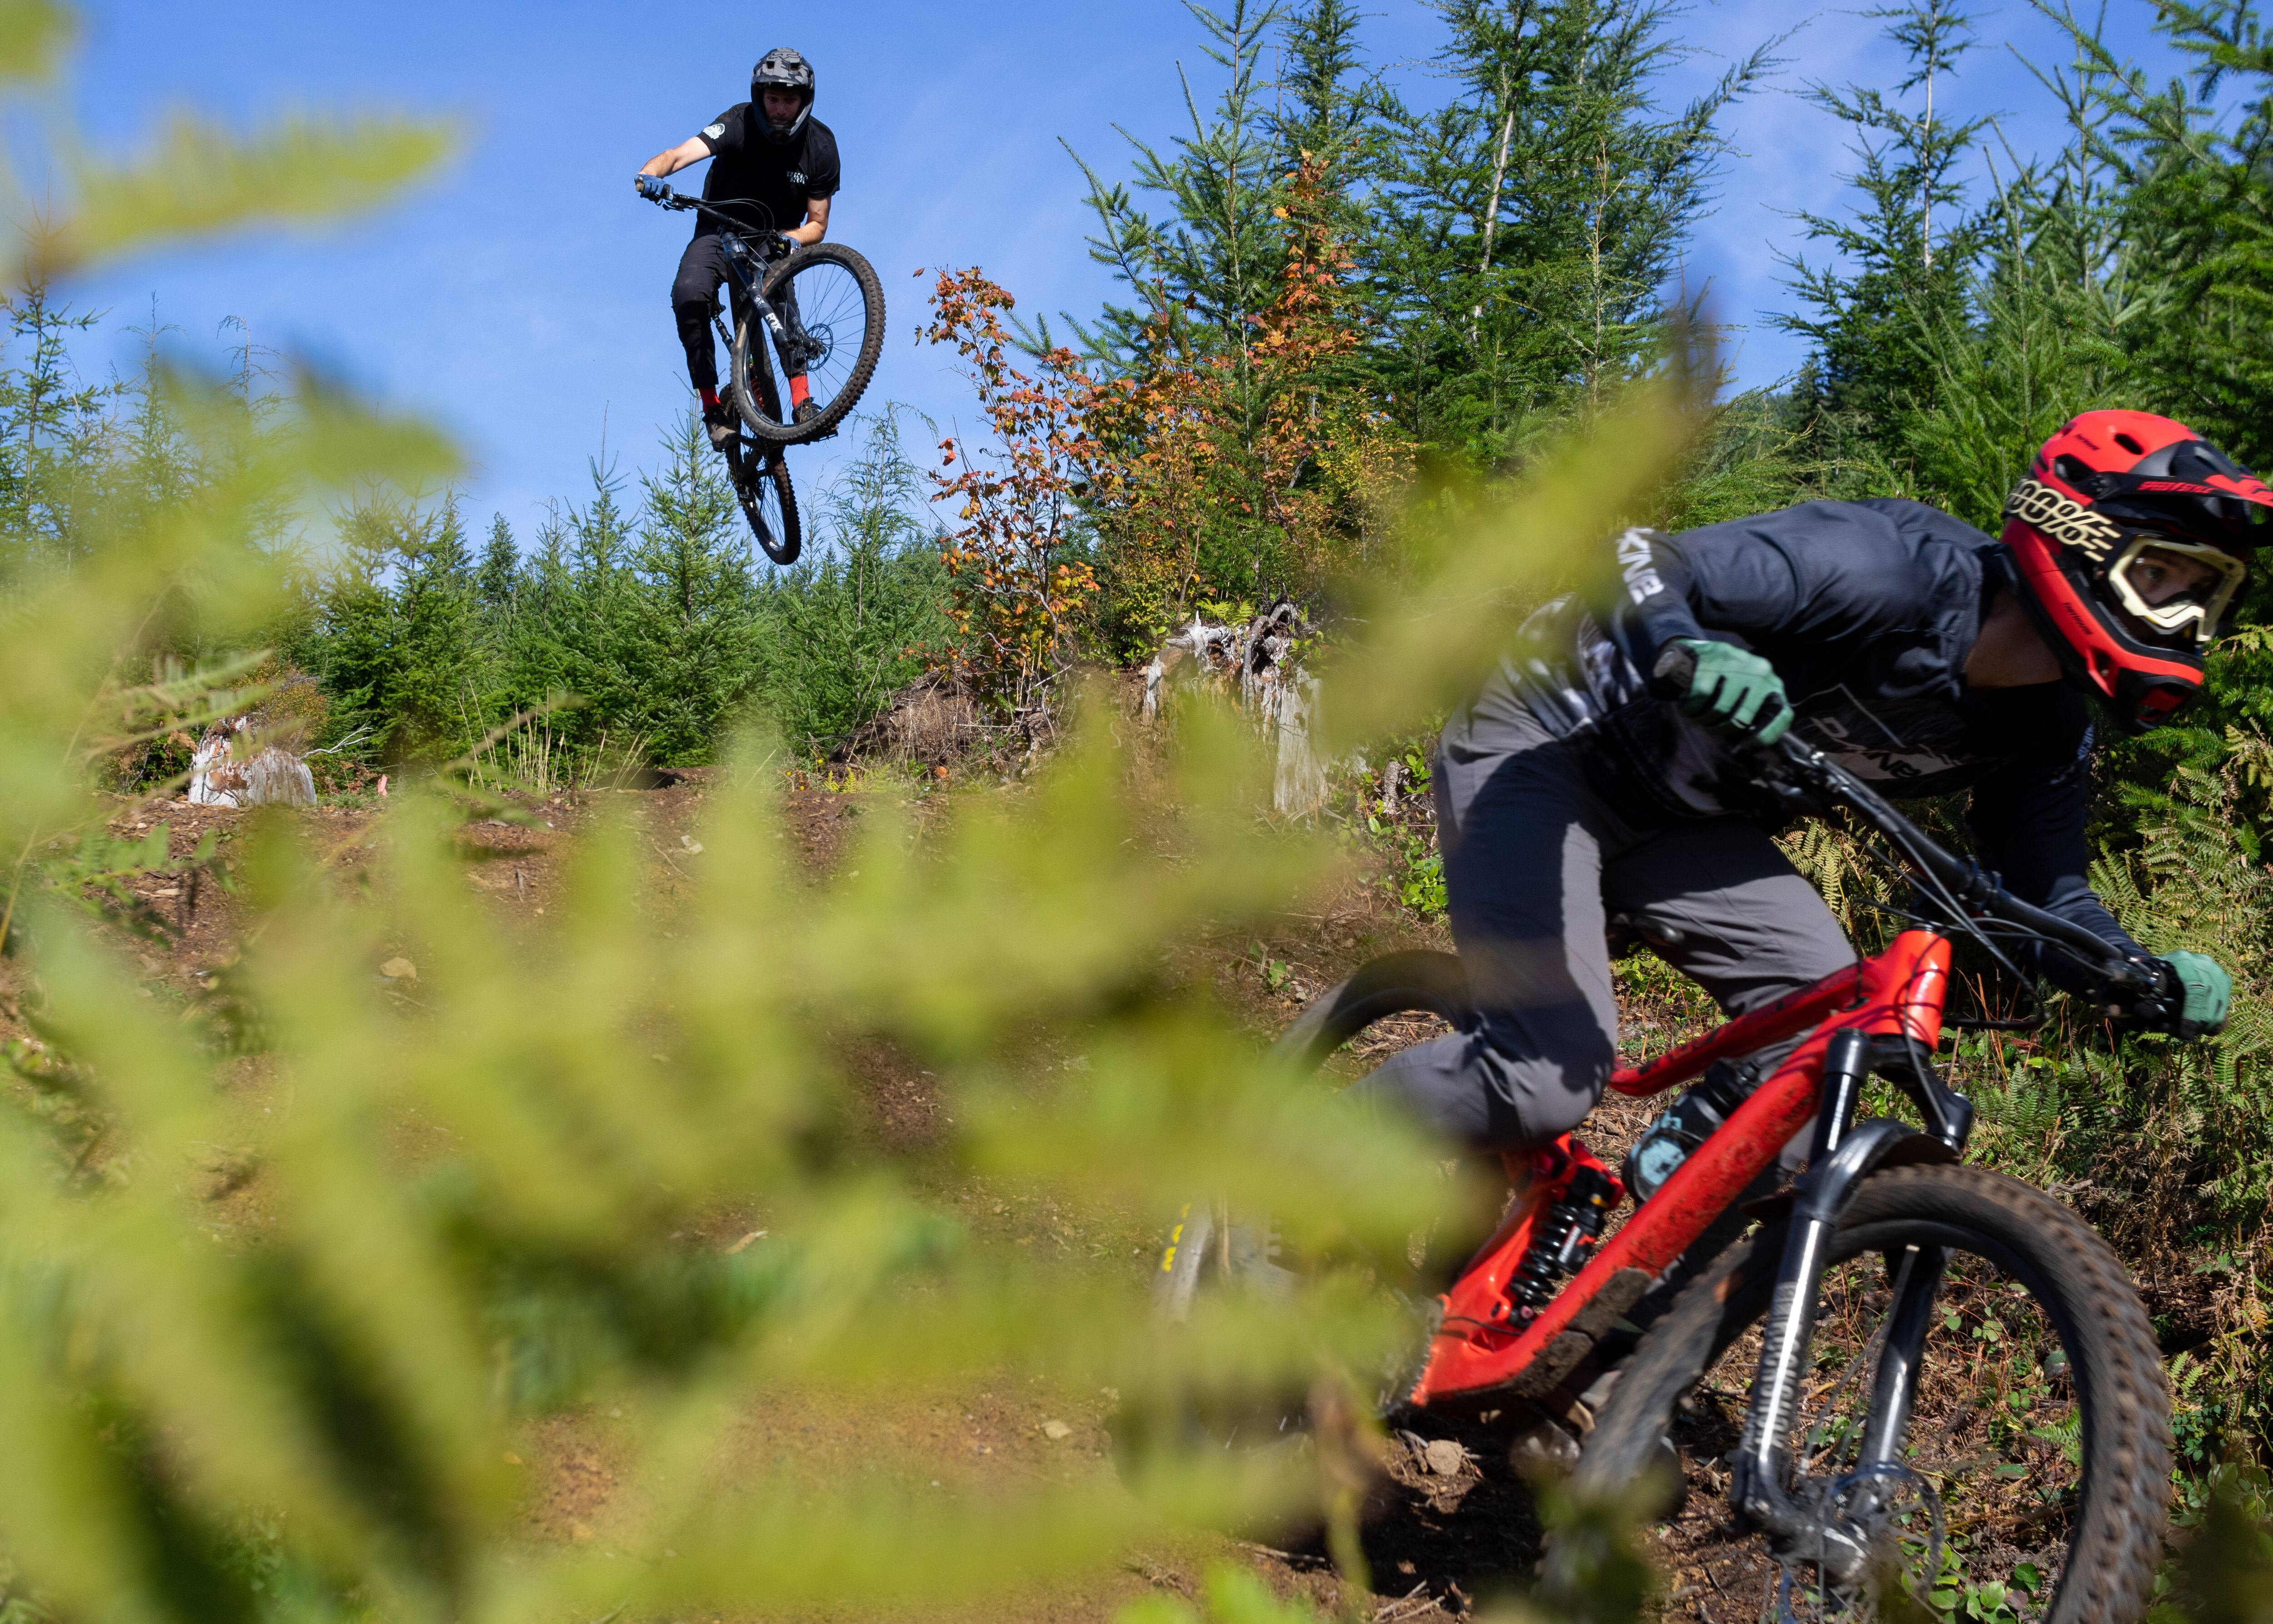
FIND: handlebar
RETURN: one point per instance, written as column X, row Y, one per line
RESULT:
column 1974, row 889
column 680, row 201
column 1799, row 772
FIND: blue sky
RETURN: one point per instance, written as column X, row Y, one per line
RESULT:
column 520, row 297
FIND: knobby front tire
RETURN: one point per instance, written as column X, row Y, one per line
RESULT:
column 2059, row 1461
column 829, row 296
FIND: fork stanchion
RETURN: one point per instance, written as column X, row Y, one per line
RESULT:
column 1762, row 1458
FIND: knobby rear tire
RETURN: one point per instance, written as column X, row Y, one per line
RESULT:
column 1212, row 1250
column 2115, row 1537
column 759, row 472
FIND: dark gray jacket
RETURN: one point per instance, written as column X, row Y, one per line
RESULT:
column 1867, row 611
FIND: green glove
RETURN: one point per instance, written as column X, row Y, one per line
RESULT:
column 1735, row 690
column 2208, row 993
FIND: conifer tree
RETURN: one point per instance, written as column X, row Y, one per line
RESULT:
column 497, row 582
column 49, row 429
column 441, row 677
column 687, row 642
column 2194, row 158
column 1904, row 259
column 1530, row 230
column 1202, row 271
column 1327, row 108
column 841, row 632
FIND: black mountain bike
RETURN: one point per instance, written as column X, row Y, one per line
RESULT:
column 816, row 313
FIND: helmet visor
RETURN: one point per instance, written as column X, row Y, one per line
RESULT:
column 2174, row 591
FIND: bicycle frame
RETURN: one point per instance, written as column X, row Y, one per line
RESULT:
column 742, row 252
column 1479, row 1353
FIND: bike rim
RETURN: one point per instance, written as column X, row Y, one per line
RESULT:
column 1976, row 1522
column 833, row 315
column 759, row 493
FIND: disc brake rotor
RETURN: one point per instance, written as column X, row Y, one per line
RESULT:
column 1858, row 1503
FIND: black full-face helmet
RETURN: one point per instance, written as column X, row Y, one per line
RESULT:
column 781, row 69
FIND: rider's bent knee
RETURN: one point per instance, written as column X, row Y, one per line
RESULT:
column 1535, row 1096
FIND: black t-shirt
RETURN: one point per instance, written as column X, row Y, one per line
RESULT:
column 746, row 162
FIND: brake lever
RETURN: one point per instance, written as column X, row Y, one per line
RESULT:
column 2159, row 996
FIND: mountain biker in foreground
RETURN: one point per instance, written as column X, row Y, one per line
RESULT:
column 1594, row 774
column 769, row 150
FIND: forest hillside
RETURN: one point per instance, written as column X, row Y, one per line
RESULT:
column 682, row 1125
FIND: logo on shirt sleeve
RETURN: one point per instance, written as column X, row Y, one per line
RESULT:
column 715, row 131
column 1635, row 563
column 796, row 177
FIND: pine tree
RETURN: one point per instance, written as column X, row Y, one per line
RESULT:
column 842, row 633
column 1328, row 109
column 2194, row 161
column 442, row 679
column 1905, row 258
column 689, row 640
column 1530, row 230
column 1214, row 261
column 51, row 427
column 497, row 583
column 577, row 647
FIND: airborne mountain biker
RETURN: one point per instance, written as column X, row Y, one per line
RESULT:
column 1594, row 774
column 769, row 150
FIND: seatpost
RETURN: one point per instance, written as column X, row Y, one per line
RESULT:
column 1761, row 1459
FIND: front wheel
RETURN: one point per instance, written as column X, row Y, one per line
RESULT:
column 831, row 309
column 2033, row 1481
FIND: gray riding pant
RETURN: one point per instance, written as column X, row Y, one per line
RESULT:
column 1535, row 862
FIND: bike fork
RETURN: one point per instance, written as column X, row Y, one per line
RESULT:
column 1917, row 1280
column 1758, row 1481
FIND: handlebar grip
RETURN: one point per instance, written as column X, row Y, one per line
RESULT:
column 1674, row 671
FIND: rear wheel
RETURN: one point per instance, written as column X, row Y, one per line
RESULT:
column 2033, row 1482
column 1214, row 1251
column 832, row 312
column 761, row 486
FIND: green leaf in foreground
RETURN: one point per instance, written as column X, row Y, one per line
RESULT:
column 201, row 179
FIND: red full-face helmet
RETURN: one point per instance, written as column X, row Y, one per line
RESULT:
column 2133, row 536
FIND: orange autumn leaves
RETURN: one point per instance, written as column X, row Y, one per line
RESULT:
column 1017, row 584
column 1111, row 504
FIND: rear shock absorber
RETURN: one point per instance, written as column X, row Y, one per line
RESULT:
column 1566, row 1232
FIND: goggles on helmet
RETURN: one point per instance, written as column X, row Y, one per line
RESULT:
column 2171, row 590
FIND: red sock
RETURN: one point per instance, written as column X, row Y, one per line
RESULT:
column 709, row 399
column 799, row 391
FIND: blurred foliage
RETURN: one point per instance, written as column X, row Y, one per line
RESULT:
column 498, row 1178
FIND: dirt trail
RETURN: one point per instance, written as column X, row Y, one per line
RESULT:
column 1446, row 1528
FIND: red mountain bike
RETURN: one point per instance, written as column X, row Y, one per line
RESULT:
column 1954, row 1383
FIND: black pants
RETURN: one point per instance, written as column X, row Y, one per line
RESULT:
column 701, row 272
